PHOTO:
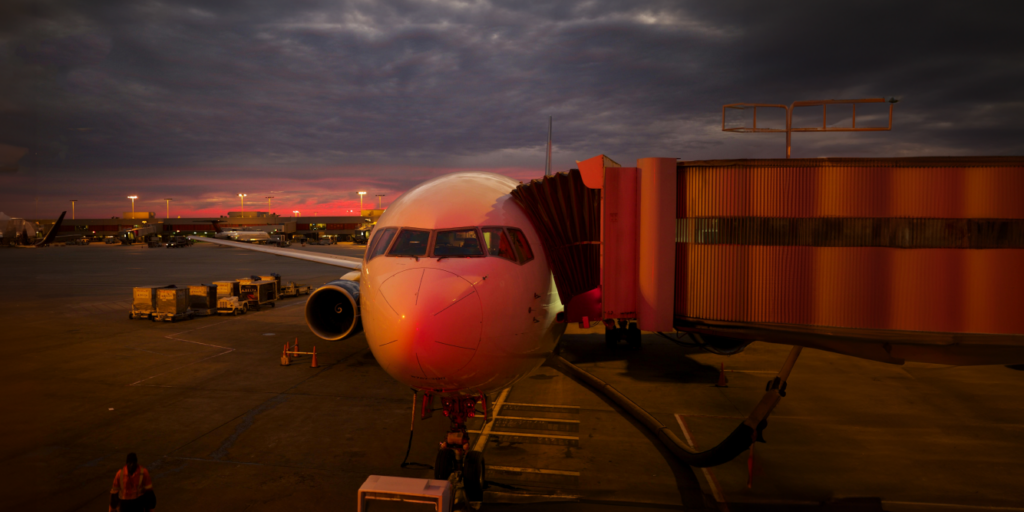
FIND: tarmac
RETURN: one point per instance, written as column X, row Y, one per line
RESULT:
column 221, row 424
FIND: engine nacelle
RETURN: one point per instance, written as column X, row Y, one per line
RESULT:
column 332, row 311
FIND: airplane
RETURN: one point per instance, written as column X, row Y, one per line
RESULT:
column 249, row 235
column 20, row 232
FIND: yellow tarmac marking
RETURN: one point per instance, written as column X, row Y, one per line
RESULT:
column 716, row 489
column 534, row 471
column 481, row 440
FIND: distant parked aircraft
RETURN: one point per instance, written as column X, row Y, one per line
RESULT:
column 21, row 233
column 251, row 234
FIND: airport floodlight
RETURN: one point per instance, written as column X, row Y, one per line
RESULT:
column 361, row 194
column 268, row 198
column 242, row 198
column 133, row 198
column 168, row 199
column 380, row 201
column 73, row 208
column 295, row 213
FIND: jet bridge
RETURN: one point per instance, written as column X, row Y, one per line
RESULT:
column 912, row 258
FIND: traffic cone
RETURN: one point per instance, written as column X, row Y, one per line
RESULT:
column 284, row 356
column 296, row 349
column 313, row 364
column 723, row 382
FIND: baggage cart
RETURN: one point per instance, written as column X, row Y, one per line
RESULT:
column 273, row 277
column 202, row 299
column 172, row 305
column 144, row 301
column 226, row 288
column 259, row 293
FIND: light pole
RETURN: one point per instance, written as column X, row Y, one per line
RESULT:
column 242, row 198
column 295, row 213
column 268, row 198
column 380, row 201
column 168, row 199
column 73, row 208
column 133, row 198
column 361, row 194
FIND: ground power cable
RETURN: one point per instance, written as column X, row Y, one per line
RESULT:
column 732, row 446
column 412, row 428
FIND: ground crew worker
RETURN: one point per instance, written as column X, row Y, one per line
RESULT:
column 132, row 490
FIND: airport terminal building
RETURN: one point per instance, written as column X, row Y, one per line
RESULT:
column 340, row 228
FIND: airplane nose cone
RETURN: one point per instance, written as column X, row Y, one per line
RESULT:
column 427, row 323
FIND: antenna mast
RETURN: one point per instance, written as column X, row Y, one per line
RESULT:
column 547, row 161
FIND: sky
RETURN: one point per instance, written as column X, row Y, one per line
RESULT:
column 313, row 101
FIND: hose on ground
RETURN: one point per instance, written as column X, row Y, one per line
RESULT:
column 733, row 445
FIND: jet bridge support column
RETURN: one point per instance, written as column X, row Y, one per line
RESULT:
column 656, row 251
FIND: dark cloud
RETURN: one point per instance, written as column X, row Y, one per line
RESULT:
column 405, row 88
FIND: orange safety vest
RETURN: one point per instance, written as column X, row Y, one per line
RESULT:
column 130, row 487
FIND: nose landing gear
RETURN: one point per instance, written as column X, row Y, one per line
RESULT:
column 454, row 456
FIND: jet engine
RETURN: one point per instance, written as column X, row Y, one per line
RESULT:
column 332, row 311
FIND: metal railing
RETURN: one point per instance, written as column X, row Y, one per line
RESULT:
column 789, row 129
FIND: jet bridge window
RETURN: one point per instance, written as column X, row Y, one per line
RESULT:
column 521, row 244
column 410, row 242
column 457, row 242
column 379, row 244
column 497, row 243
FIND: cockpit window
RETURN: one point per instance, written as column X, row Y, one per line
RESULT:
column 457, row 242
column 410, row 242
column 497, row 243
column 380, row 243
column 521, row 244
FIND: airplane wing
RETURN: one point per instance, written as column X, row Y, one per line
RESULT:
column 327, row 259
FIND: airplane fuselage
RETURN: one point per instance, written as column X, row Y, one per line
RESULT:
column 444, row 318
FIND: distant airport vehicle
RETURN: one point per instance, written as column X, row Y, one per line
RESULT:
column 362, row 234
column 231, row 305
column 252, row 234
column 179, row 241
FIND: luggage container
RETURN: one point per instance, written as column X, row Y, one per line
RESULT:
column 144, row 301
column 202, row 299
column 259, row 293
column 172, row 305
column 276, row 278
column 226, row 288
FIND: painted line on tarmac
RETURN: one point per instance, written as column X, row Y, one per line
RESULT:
column 227, row 350
column 716, row 488
column 481, row 440
column 534, row 471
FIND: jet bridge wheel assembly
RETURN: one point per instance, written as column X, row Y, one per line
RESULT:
column 626, row 331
